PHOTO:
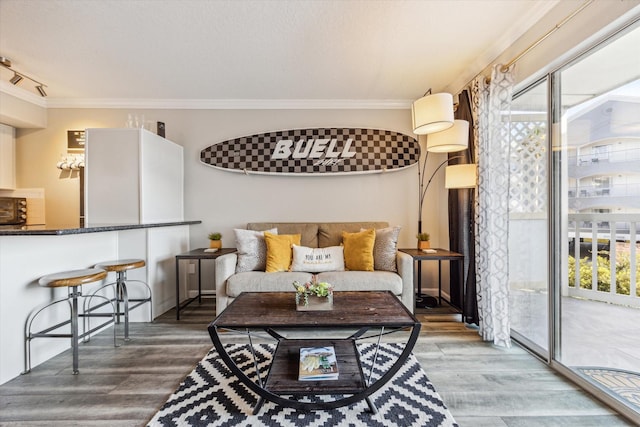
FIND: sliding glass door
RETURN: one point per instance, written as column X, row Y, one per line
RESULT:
column 528, row 218
column 596, row 209
column 574, row 219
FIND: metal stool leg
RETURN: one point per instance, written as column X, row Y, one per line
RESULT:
column 124, row 296
column 29, row 336
column 74, row 294
column 88, row 309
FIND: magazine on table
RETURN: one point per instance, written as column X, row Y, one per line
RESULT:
column 317, row 364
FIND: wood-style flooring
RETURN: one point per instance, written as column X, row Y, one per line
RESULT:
column 482, row 385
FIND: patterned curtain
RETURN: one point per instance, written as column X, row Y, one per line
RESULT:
column 491, row 105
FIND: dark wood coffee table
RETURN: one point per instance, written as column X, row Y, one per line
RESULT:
column 352, row 311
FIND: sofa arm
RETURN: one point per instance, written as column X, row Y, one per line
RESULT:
column 405, row 270
column 225, row 268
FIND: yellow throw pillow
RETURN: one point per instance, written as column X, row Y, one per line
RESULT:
column 358, row 250
column 279, row 249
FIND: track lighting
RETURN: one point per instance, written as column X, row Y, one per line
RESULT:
column 15, row 79
column 18, row 76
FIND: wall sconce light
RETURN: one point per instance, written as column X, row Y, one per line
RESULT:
column 432, row 113
column 18, row 76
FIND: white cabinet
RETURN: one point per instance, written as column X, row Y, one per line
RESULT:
column 132, row 176
column 7, row 157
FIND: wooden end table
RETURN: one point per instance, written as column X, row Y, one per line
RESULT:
column 273, row 311
column 198, row 254
column 439, row 255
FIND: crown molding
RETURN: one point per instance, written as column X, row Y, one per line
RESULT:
column 23, row 94
column 232, row 104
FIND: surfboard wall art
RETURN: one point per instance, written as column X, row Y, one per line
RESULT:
column 318, row 152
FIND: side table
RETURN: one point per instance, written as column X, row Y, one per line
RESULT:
column 198, row 254
column 439, row 255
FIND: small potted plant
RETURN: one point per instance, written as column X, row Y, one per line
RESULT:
column 313, row 295
column 423, row 240
column 215, row 241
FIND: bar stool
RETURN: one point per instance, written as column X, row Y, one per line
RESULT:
column 73, row 280
column 120, row 267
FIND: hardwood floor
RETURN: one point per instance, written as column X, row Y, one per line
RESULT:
column 481, row 384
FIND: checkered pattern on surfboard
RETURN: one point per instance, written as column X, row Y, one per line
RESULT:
column 377, row 150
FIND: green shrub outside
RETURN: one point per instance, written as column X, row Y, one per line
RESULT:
column 623, row 273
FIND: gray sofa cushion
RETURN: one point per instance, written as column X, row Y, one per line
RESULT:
column 330, row 233
column 363, row 281
column 259, row 281
column 308, row 232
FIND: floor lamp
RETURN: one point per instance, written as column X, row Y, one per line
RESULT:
column 452, row 139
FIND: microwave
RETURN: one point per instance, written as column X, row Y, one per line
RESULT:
column 13, row 210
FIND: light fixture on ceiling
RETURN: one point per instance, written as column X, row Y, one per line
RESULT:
column 18, row 76
column 432, row 113
column 15, row 79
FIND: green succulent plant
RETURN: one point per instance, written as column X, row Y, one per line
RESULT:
column 423, row 237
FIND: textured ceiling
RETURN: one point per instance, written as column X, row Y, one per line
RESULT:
column 257, row 50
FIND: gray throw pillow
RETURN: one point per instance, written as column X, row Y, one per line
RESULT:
column 252, row 249
column 385, row 249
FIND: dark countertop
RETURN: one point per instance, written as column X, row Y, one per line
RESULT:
column 43, row 230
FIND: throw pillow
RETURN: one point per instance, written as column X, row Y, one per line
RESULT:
column 358, row 250
column 385, row 248
column 252, row 250
column 279, row 251
column 317, row 260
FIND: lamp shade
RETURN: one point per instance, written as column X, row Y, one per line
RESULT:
column 456, row 138
column 432, row 113
column 460, row 176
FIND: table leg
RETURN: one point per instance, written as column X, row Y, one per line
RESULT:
column 440, row 282
column 256, row 409
column 177, row 288
column 372, row 406
column 464, row 285
column 419, row 278
column 199, row 281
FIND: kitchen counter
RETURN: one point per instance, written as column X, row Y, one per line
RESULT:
column 30, row 252
column 43, row 230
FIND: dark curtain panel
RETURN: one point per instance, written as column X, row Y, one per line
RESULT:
column 461, row 229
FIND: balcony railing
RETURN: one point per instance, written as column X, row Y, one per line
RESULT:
column 604, row 251
column 611, row 156
column 612, row 190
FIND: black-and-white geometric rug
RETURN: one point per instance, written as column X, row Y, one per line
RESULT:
column 212, row 396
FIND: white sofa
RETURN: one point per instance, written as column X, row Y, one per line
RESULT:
column 230, row 284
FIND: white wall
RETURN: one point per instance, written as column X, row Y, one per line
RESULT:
column 226, row 200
